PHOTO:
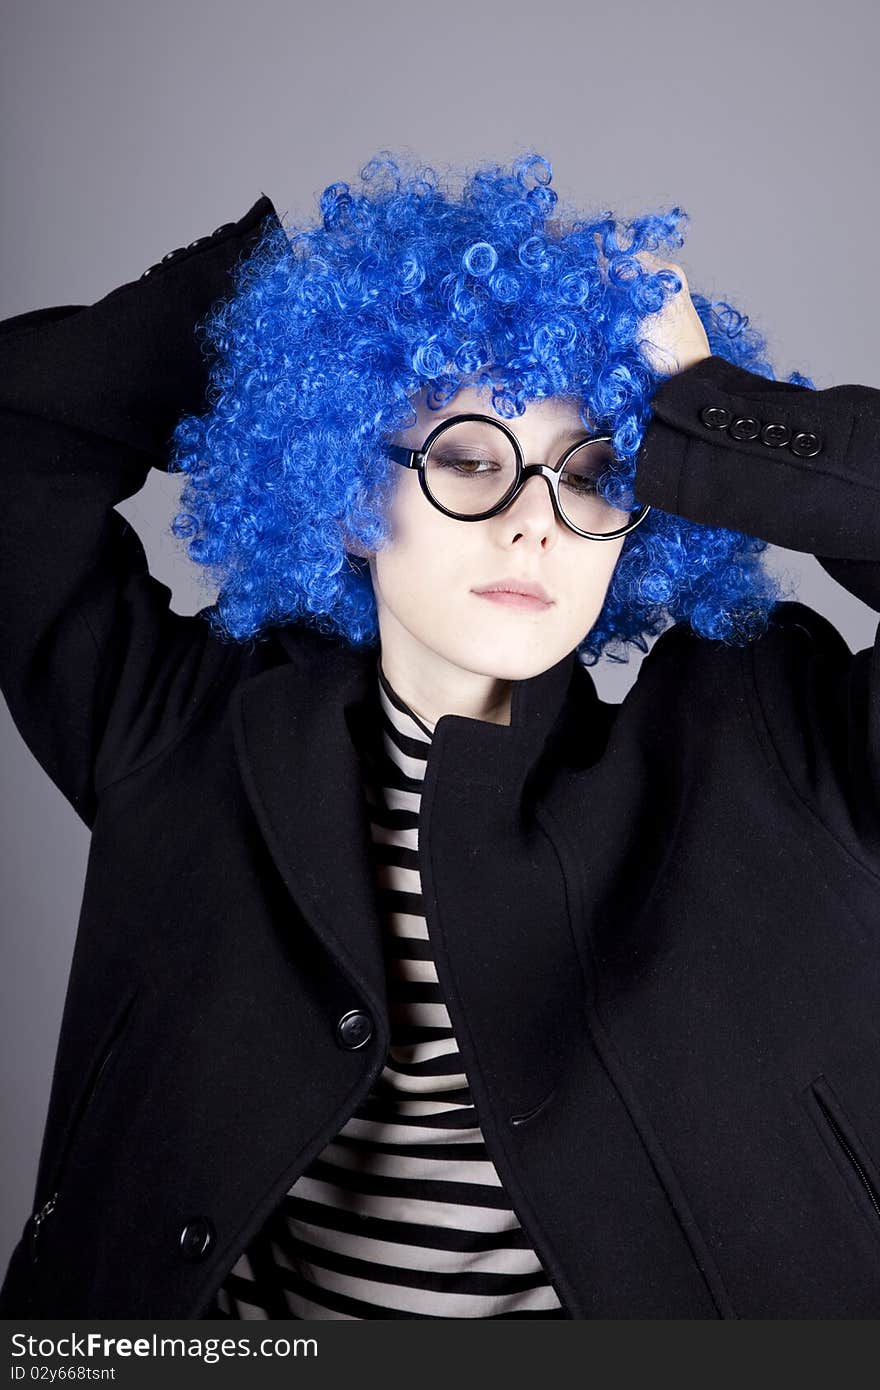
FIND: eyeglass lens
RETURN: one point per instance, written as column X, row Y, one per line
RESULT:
column 471, row 468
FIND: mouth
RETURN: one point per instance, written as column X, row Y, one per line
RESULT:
column 516, row 593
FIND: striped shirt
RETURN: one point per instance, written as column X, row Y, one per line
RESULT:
column 403, row 1214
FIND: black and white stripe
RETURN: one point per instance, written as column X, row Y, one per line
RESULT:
column 403, row 1215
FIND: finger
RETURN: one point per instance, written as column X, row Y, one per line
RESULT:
column 654, row 263
column 644, row 257
column 648, row 259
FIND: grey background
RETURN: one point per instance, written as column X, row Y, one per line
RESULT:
column 128, row 129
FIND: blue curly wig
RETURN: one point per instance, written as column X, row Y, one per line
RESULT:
column 333, row 328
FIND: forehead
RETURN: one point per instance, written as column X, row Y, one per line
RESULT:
column 552, row 417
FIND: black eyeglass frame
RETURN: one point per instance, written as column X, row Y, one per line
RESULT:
column 418, row 458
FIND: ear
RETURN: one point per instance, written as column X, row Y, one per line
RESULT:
column 353, row 546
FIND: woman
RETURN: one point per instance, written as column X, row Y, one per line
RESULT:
column 411, row 978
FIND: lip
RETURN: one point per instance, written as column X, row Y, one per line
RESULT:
column 519, row 593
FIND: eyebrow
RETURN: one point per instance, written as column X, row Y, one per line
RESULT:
column 575, row 432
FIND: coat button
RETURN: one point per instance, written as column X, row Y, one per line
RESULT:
column 774, row 435
column 354, row 1029
column 805, row 445
column 196, row 1238
column 744, row 427
column 715, row 416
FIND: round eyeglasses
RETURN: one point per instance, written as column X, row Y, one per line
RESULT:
column 472, row 467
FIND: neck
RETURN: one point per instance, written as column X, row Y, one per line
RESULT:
column 447, row 690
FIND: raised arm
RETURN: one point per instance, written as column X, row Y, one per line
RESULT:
column 97, row 670
column 801, row 469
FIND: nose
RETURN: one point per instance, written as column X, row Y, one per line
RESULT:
column 532, row 509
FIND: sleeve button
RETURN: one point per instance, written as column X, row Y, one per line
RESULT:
column 774, row 435
column 354, row 1029
column 744, row 427
column 805, row 445
column 196, row 1238
column 715, row 416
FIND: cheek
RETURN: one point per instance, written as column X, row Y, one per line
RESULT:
column 590, row 575
column 426, row 552
column 414, row 523
column 609, row 561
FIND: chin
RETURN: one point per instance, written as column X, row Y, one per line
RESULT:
column 505, row 662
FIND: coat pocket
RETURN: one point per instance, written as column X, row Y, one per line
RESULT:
column 100, row 1070
column 845, row 1147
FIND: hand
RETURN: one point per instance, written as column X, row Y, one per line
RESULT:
column 674, row 338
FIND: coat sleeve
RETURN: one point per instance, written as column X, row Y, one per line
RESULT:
column 798, row 468
column 96, row 668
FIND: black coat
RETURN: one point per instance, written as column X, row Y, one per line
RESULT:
column 656, row 924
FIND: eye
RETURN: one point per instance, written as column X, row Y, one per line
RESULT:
column 578, row 482
column 467, row 465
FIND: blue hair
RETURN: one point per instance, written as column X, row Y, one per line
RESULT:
column 401, row 287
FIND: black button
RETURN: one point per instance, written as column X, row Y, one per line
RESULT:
column 715, row 416
column 744, row 427
column 196, row 1238
column 806, row 445
column 354, row 1029
column 774, row 435
column 224, row 227
column 179, row 250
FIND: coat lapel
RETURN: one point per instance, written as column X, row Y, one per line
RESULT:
column 495, row 895
column 297, row 731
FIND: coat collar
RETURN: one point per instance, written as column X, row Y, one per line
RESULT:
column 300, row 729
